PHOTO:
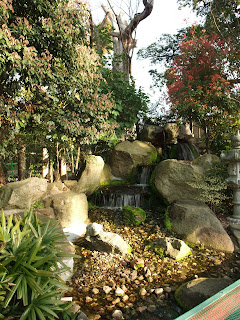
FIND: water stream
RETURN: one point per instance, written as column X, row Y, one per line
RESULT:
column 118, row 196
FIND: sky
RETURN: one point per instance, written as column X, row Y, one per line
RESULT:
column 165, row 18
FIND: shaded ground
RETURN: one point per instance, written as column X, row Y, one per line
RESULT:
column 146, row 292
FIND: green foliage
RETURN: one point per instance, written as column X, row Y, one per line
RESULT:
column 129, row 103
column 38, row 204
column 55, row 90
column 30, row 268
column 213, row 187
column 133, row 215
column 202, row 69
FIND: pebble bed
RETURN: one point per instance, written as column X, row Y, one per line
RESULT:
column 140, row 286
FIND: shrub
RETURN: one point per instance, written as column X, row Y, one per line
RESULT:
column 30, row 267
column 213, row 187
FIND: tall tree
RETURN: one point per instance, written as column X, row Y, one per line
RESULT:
column 51, row 82
column 200, row 85
column 202, row 64
column 123, row 34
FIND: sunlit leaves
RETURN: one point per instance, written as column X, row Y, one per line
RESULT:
column 201, row 85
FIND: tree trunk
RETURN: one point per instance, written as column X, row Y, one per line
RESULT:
column 2, row 174
column 123, row 41
column 22, row 163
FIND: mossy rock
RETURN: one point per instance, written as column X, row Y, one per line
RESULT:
column 134, row 215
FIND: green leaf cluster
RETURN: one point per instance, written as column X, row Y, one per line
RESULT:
column 30, row 268
column 213, row 187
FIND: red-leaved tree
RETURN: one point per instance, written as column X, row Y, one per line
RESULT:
column 203, row 84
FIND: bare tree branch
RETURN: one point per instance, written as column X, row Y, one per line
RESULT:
column 148, row 6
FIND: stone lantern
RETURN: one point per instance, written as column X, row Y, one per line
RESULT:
column 233, row 158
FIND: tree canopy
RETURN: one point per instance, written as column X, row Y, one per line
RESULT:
column 53, row 86
column 202, row 74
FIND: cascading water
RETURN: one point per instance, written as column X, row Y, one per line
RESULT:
column 137, row 195
column 144, row 174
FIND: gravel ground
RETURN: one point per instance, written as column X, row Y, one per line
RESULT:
column 110, row 286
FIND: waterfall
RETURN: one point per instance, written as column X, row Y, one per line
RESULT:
column 184, row 151
column 118, row 196
column 144, row 175
column 119, row 200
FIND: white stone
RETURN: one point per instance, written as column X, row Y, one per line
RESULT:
column 119, row 292
column 94, row 229
column 158, row 291
column 117, row 315
column 107, row 289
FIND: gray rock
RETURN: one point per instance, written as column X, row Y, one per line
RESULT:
column 94, row 229
column 150, row 132
column 70, row 209
column 195, row 222
column 119, row 292
column 70, row 184
column 106, row 242
column 91, row 176
column 126, row 156
column 172, row 247
column 23, row 194
column 106, row 174
column 82, row 316
column 206, row 161
column 194, row 292
column 117, row 315
column 158, row 291
column 172, row 130
column 172, row 180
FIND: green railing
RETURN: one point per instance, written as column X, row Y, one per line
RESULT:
column 224, row 305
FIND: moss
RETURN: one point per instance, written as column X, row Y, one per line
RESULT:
column 167, row 221
column 160, row 252
column 153, row 157
column 134, row 215
column 129, row 250
column 173, row 152
column 176, row 296
column 114, row 183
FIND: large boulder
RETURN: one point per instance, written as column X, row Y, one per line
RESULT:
column 151, row 132
column 172, row 132
column 195, row 222
column 174, row 180
column 126, row 156
column 106, row 174
column 91, row 176
column 194, row 292
column 23, row 194
column 207, row 161
column 70, row 209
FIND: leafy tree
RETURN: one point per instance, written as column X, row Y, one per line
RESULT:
column 51, row 82
column 200, row 87
column 203, row 74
